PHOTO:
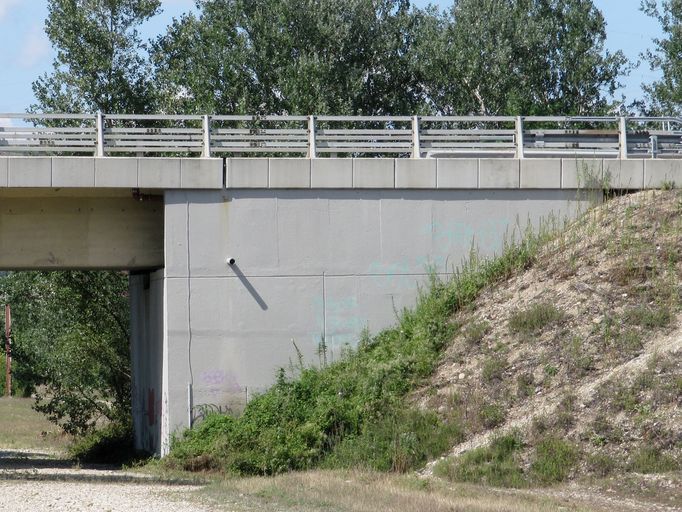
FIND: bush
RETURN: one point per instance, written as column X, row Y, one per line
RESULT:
column 494, row 465
column 352, row 412
column 112, row 444
column 535, row 318
column 553, row 461
column 650, row 459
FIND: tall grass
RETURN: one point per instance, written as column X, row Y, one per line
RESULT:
column 354, row 412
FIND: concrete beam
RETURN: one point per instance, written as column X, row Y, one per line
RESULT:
column 415, row 173
column 582, row 173
column 541, row 173
column 289, row 172
column 158, row 173
column 29, row 172
column 116, row 172
column 658, row 173
column 4, row 165
column 78, row 172
column 201, row 173
column 457, row 172
column 331, row 173
column 54, row 231
column 499, row 173
column 374, row 173
column 248, row 173
column 624, row 174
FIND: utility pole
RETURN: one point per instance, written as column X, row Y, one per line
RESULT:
column 8, row 350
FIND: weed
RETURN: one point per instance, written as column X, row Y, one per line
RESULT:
column 525, row 385
column 493, row 369
column 650, row 459
column 646, row 316
column 601, row 464
column 494, row 465
column 492, row 415
column 535, row 318
column 553, row 460
column 476, row 331
column 353, row 410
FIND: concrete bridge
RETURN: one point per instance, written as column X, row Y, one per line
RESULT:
column 232, row 259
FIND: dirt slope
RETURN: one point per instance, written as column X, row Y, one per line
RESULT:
column 584, row 346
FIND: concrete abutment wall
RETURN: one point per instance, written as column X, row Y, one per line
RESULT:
column 323, row 248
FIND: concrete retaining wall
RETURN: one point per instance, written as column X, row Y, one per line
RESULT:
column 310, row 264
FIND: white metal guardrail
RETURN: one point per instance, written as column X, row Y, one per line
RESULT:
column 322, row 136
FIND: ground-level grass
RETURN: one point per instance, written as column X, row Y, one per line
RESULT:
column 23, row 428
column 353, row 491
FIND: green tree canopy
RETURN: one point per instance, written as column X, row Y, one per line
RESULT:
column 665, row 95
column 519, row 57
column 290, row 56
column 100, row 63
column 71, row 344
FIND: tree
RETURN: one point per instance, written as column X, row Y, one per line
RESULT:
column 290, row 56
column 518, row 57
column 665, row 95
column 71, row 344
column 100, row 63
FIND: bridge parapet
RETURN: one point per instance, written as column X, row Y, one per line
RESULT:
column 171, row 173
column 346, row 136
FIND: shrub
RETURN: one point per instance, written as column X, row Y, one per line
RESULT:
column 554, row 459
column 535, row 318
column 353, row 412
column 112, row 444
column 494, row 465
column 650, row 459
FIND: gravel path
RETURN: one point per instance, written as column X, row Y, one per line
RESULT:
column 33, row 482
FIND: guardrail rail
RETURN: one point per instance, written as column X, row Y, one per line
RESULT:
column 329, row 136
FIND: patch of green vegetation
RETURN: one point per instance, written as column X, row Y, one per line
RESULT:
column 650, row 459
column 353, row 412
column 493, row 369
column 496, row 465
column 601, row 464
column 475, row 332
column 649, row 317
column 553, row 460
column 533, row 319
column 112, row 444
column 492, row 415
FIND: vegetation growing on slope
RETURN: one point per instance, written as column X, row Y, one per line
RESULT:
column 538, row 367
column 354, row 412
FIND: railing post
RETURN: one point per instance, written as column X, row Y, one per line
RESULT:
column 206, row 132
column 653, row 141
column 99, row 129
column 416, row 142
column 623, row 138
column 312, row 142
column 519, row 137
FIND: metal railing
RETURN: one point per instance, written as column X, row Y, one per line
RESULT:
column 323, row 136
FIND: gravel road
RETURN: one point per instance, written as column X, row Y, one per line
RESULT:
column 33, row 482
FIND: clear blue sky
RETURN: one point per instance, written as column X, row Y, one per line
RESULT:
column 27, row 53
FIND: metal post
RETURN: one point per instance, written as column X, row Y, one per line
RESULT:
column 312, row 142
column 8, row 351
column 206, row 131
column 99, row 150
column 416, row 142
column 519, row 137
column 623, row 138
column 653, row 140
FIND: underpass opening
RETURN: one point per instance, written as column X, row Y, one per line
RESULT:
column 84, row 277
